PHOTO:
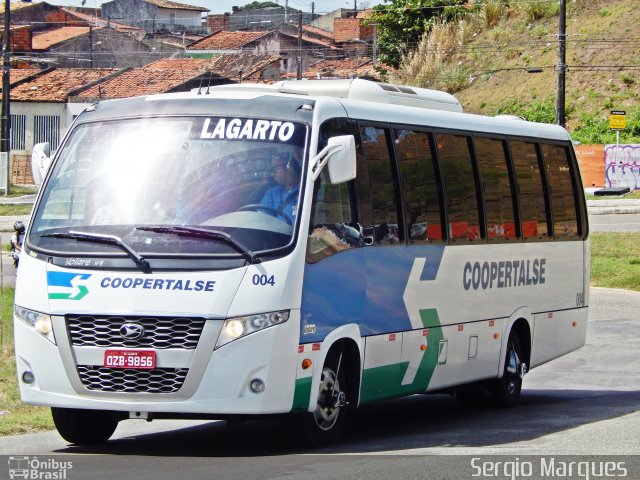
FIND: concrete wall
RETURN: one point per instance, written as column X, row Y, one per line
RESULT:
column 622, row 166
column 104, row 48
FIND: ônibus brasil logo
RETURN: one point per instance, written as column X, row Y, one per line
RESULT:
column 67, row 286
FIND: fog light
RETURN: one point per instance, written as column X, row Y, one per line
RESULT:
column 257, row 385
column 28, row 377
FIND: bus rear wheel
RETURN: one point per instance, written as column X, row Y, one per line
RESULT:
column 84, row 427
column 325, row 423
column 505, row 391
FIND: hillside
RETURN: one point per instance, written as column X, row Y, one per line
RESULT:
column 487, row 70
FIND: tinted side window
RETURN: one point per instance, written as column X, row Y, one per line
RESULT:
column 419, row 185
column 375, row 187
column 460, row 186
column 563, row 199
column 496, row 186
column 533, row 208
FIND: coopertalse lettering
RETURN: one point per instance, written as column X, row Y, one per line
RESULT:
column 158, row 284
column 247, row 129
column 504, row 274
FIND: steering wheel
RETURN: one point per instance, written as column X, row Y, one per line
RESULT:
column 256, row 207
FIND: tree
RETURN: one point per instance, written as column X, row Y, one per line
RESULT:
column 400, row 24
column 257, row 5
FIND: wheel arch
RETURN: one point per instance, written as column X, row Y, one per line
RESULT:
column 521, row 322
column 348, row 340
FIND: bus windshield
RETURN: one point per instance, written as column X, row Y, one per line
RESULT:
column 175, row 185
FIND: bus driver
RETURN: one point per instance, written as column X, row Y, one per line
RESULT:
column 283, row 196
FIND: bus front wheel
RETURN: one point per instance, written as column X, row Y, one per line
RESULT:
column 84, row 427
column 505, row 391
column 325, row 423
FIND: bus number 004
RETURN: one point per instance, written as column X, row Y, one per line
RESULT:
column 263, row 280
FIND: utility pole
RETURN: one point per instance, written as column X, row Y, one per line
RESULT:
column 562, row 66
column 299, row 75
column 313, row 10
column 286, row 11
column 5, row 141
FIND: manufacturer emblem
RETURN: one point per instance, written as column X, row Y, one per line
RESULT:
column 131, row 331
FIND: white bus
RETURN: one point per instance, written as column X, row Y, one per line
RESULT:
column 411, row 248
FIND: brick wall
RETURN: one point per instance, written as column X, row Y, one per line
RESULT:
column 20, row 39
column 345, row 29
column 591, row 161
column 21, row 169
column 218, row 22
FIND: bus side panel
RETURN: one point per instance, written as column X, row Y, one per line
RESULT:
column 558, row 333
column 459, row 298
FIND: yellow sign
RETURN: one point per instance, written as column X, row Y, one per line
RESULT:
column 618, row 120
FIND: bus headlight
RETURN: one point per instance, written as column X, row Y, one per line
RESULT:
column 39, row 322
column 235, row 328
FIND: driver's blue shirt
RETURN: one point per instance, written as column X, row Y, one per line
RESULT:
column 283, row 200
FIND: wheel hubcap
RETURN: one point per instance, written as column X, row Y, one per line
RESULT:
column 330, row 400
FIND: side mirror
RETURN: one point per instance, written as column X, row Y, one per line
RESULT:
column 40, row 161
column 340, row 154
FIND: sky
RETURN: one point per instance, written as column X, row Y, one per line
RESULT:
column 221, row 6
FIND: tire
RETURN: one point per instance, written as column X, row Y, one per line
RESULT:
column 325, row 424
column 84, row 427
column 505, row 391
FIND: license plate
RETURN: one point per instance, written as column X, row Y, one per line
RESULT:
column 135, row 359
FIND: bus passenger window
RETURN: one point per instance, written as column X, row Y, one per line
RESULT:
column 563, row 199
column 460, row 186
column 375, row 188
column 498, row 198
column 419, row 186
column 533, row 207
column 332, row 229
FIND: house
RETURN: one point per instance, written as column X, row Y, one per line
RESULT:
column 269, row 18
column 156, row 15
column 91, row 47
column 39, row 103
column 341, row 68
column 97, row 21
column 182, row 74
column 38, row 15
column 40, row 111
column 272, row 42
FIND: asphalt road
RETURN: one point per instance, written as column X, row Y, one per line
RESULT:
column 628, row 222
column 586, row 403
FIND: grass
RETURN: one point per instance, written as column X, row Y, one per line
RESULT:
column 615, row 260
column 21, row 418
column 615, row 263
column 10, row 210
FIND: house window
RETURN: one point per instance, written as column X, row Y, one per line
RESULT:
column 47, row 129
column 18, row 132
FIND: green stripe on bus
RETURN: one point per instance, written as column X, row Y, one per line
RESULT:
column 381, row 383
column 302, row 394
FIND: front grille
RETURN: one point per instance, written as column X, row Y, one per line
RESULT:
column 158, row 380
column 160, row 332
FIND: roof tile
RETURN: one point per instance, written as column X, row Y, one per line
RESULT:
column 55, row 86
column 46, row 39
column 226, row 40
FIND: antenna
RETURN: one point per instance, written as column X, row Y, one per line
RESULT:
column 200, row 86
column 209, row 82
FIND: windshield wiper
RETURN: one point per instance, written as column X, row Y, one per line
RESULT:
column 204, row 233
column 106, row 239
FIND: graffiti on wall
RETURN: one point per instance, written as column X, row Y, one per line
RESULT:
column 622, row 166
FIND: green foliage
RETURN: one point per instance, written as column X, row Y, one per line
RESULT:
column 256, row 5
column 537, row 10
column 535, row 111
column 595, row 129
column 400, row 24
